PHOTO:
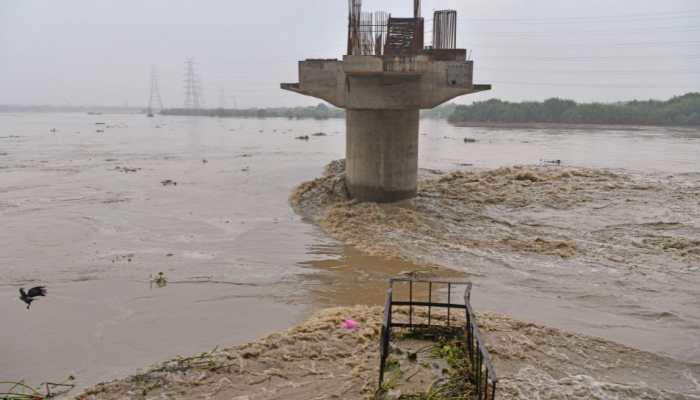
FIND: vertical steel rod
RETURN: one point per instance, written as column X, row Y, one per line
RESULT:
column 410, row 304
column 430, row 299
column 449, row 303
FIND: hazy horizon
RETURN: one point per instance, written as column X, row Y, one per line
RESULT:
column 100, row 53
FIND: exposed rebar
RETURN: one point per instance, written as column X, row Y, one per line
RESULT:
column 445, row 29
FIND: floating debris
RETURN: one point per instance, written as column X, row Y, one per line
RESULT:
column 127, row 170
column 205, row 161
column 122, row 257
column 349, row 324
column 470, row 140
column 319, row 134
column 550, row 162
column 160, row 280
column 22, row 391
column 303, row 137
column 168, row 182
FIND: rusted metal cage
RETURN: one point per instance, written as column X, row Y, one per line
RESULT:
column 445, row 29
column 405, row 36
column 481, row 373
column 377, row 33
column 367, row 31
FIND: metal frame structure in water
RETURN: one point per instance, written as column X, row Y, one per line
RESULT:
column 482, row 374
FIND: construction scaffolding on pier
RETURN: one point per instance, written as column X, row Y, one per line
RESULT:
column 387, row 75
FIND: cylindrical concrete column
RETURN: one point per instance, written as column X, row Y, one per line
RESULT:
column 381, row 162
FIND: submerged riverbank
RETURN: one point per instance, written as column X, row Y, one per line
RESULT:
column 320, row 360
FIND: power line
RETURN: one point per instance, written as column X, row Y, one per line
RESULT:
column 606, row 44
column 587, row 85
column 621, row 29
column 525, row 57
column 594, row 71
column 687, row 14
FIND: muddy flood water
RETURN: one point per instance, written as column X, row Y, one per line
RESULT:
column 94, row 206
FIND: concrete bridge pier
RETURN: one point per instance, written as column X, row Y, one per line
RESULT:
column 386, row 77
column 381, row 162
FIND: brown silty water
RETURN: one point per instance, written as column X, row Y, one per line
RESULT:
column 86, row 214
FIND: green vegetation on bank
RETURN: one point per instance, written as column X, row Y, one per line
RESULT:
column 678, row 111
column 320, row 111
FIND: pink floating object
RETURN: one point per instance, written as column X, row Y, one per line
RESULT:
column 349, row 324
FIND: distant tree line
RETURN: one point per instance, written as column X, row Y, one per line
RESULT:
column 680, row 111
column 320, row 111
column 440, row 112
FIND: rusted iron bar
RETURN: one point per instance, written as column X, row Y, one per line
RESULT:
column 430, row 300
column 385, row 335
column 410, row 305
column 355, row 7
column 449, row 301
column 367, row 31
column 427, row 304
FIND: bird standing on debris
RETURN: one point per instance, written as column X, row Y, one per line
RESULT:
column 33, row 293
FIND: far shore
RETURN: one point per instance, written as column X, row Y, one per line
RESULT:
column 203, row 113
column 552, row 125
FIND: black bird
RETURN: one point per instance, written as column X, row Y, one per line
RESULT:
column 32, row 294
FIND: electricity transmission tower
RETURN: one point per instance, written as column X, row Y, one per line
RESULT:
column 193, row 87
column 222, row 98
column 155, row 102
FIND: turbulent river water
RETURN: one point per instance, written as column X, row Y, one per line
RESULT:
column 89, row 207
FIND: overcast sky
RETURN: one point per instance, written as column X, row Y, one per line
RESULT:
column 99, row 52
